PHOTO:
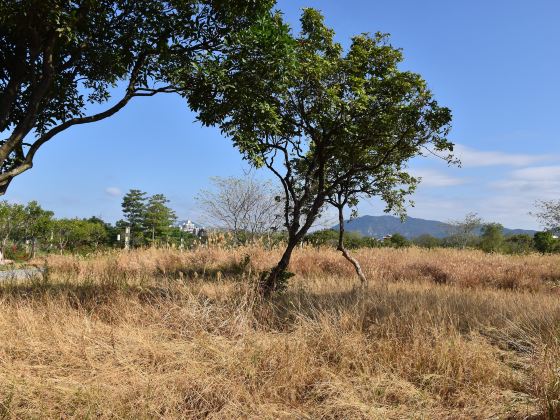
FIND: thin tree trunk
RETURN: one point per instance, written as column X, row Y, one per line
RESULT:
column 3, row 250
column 271, row 281
column 344, row 251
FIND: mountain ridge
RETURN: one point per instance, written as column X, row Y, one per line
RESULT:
column 380, row 226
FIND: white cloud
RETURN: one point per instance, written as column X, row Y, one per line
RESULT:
column 516, row 194
column 113, row 191
column 539, row 173
column 433, row 178
column 506, row 193
column 511, row 210
column 538, row 181
column 472, row 158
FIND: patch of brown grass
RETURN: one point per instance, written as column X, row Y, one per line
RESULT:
column 155, row 333
column 467, row 268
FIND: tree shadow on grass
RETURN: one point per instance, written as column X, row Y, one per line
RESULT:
column 85, row 295
column 378, row 305
column 236, row 270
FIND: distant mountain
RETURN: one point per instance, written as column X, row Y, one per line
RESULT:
column 379, row 226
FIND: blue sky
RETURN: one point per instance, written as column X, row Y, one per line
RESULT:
column 494, row 63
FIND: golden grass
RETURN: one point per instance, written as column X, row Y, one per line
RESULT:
column 163, row 334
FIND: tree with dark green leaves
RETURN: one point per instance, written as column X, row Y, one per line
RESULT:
column 65, row 232
column 492, row 238
column 330, row 237
column 12, row 223
column 134, row 211
column 317, row 116
column 75, row 234
column 396, row 240
column 158, row 218
column 58, row 56
column 99, row 232
column 545, row 242
column 520, row 244
column 38, row 225
column 181, row 239
column 427, row 241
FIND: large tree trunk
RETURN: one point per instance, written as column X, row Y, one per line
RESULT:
column 276, row 278
column 272, row 280
column 345, row 252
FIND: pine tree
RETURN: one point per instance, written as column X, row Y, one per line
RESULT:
column 158, row 218
column 134, row 210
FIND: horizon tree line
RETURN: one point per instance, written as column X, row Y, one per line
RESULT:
column 28, row 229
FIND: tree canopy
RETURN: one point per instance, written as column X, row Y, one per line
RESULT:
column 134, row 211
column 319, row 117
column 492, row 238
column 59, row 56
column 149, row 217
column 158, row 217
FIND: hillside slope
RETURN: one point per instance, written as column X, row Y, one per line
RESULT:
column 379, row 226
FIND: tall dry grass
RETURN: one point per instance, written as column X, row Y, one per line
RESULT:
column 164, row 334
column 468, row 268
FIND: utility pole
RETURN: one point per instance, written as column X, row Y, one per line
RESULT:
column 127, row 238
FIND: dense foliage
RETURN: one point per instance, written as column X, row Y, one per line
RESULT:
column 24, row 230
column 28, row 229
column 321, row 119
column 491, row 240
column 150, row 219
column 58, row 56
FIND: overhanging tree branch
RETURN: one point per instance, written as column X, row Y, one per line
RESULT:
column 27, row 163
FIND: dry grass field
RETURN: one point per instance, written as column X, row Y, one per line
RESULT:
column 439, row 334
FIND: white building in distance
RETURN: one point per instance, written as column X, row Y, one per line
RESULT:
column 190, row 227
